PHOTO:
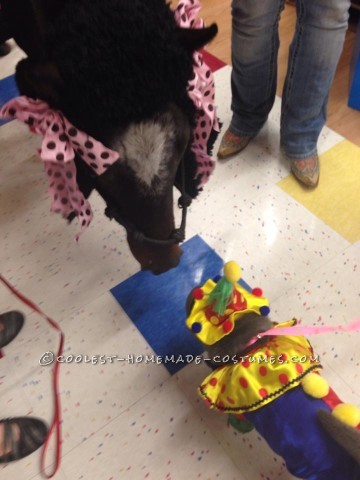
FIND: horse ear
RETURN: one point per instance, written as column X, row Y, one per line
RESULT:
column 195, row 38
column 46, row 10
column 21, row 23
column 42, row 81
column 27, row 20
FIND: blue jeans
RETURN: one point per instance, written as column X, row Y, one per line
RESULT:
column 314, row 54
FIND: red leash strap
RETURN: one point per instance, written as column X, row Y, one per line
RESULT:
column 56, row 422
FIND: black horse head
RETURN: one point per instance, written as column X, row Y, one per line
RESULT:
column 119, row 71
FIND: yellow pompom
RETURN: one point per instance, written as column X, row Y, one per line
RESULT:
column 349, row 414
column 232, row 271
column 315, row 385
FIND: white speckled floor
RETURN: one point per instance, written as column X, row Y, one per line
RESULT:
column 136, row 421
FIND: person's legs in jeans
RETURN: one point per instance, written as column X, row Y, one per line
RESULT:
column 314, row 54
column 255, row 44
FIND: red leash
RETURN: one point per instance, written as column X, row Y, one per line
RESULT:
column 56, row 422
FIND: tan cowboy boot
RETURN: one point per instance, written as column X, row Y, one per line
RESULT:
column 307, row 170
column 232, row 143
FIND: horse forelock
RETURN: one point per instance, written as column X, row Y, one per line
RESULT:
column 148, row 149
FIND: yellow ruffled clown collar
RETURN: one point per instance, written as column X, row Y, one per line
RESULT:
column 210, row 327
column 264, row 374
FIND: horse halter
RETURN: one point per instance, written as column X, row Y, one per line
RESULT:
column 177, row 236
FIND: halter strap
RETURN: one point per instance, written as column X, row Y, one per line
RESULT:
column 177, row 235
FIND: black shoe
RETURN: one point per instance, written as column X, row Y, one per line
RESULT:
column 4, row 49
column 33, row 433
column 10, row 325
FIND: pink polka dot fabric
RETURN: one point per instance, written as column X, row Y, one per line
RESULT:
column 201, row 90
column 61, row 140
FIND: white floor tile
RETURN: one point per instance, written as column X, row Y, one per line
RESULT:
column 269, row 229
column 8, row 63
column 160, row 436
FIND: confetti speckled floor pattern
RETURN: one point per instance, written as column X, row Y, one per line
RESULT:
column 133, row 422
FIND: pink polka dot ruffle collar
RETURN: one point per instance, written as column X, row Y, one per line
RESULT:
column 60, row 142
column 201, row 90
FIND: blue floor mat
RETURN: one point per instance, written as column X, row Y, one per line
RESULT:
column 8, row 90
column 156, row 304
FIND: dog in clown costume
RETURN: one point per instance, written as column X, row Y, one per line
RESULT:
column 268, row 378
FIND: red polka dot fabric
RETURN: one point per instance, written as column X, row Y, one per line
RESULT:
column 262, row 375
column 201, row 90
column 61, row 140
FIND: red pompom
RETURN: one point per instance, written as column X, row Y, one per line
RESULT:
column 257, row 292
column 239, row 416
column 198, row 294
column 227, row 326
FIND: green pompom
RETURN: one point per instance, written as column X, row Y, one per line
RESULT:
column 242, row 426
column 221, row 296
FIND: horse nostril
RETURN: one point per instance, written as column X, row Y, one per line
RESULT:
column 159, row 264
column 156, row 270
column 174, row 262
column 146, row 268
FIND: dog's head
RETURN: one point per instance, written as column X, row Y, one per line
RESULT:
column 234, row 344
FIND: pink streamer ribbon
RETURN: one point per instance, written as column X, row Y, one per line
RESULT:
column 307, row 330
column 313, row 330
column 201, row 90
column 60, row 142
